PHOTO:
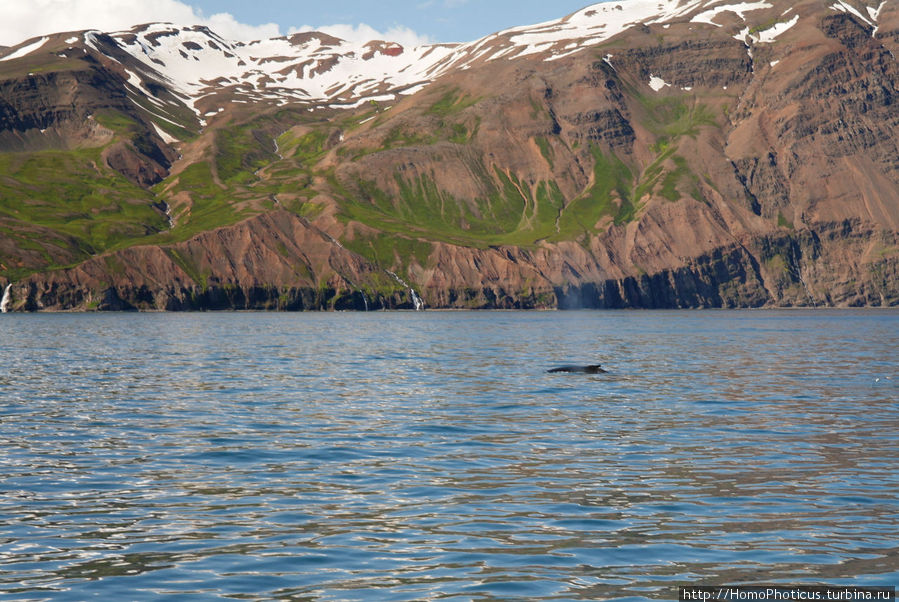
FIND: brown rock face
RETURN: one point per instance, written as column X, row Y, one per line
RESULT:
column 678, row 164
column 275, row 261
column 140, row 169
column 60, row 110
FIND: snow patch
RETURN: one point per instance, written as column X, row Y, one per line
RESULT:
column 90, row 40
column 845, row 7
column 741, row 9
column 72, row 40
column 875, row 12
column 135, row 81
column 412, row 90
column 24, row 50
column 158, row 116
column 155, row 101
column 875, row 15
column 769, row 35
column 657, row 83
column 592, row 25
column 502, row 53
column 166, row 137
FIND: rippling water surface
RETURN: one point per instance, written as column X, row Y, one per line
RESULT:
column 404, row 456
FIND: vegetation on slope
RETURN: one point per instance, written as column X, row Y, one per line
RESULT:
column 284, row 159
column 91, row 207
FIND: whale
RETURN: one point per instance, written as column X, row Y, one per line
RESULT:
column 592, row 369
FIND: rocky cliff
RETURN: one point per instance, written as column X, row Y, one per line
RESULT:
column 704, row 155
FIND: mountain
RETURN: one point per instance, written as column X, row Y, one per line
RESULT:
column 638, row 153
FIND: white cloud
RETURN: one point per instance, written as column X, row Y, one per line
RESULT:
column 229, row 28
column 366, row 33
column 23, row 19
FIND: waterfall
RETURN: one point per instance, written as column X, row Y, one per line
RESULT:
column 4, row 303
column 416, row 300
column 277, row 147
column 419, row 304
column 168, row 214
column 796, row 268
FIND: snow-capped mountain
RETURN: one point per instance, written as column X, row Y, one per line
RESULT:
column 195, row 62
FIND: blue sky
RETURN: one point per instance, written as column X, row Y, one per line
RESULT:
column 404, row 21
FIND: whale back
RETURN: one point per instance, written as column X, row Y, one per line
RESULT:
column 591, row 369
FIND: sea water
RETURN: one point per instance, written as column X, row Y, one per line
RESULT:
column 417, row 456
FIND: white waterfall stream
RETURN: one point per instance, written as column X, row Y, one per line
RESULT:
column 4, row 302
column 419, row 304
column 416, row 300
column 168, row 214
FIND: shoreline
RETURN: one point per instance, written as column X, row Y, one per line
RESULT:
column 455, row 310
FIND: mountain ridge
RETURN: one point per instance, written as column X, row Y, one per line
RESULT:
column 669, row 154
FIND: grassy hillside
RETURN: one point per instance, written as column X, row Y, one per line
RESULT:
column 285, row 158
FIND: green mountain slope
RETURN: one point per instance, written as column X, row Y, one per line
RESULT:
column 676, row 164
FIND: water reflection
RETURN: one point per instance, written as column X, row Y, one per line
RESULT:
column 412, row 456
